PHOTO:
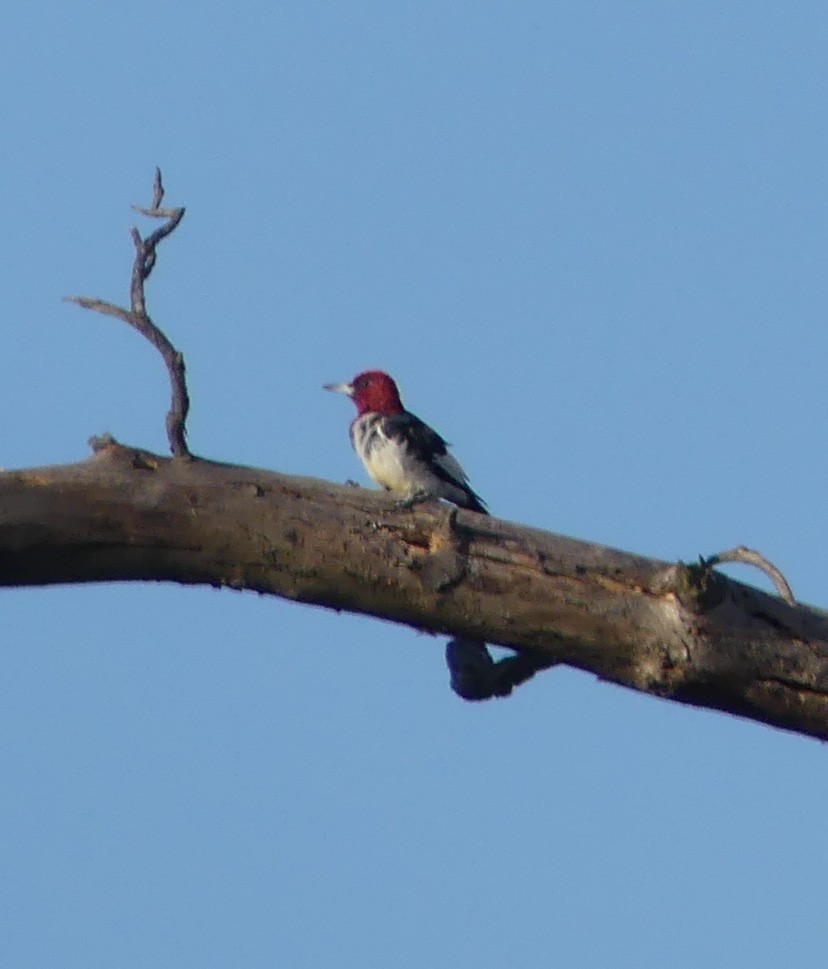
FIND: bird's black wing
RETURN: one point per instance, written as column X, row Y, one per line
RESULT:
column 425, row 444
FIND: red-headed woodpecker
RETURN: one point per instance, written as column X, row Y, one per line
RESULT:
column 399, row 451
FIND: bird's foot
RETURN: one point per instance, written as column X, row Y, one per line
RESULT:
column 415, row 498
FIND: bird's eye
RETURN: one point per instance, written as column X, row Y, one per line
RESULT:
column 361, row 383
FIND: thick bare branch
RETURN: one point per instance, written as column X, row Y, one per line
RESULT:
column 137, row 316
column 683, row 632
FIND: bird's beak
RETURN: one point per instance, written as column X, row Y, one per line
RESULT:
column 347, row 389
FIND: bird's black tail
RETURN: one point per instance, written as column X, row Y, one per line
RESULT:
column 474, row 502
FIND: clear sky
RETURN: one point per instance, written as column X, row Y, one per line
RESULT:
column 589, row 239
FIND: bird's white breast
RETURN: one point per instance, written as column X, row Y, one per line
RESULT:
column 387, row 460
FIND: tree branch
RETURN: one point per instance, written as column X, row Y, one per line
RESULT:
column 676, row 631
column 683, row 632
column 137, row 316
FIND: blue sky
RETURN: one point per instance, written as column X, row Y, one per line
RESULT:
column 589, row 241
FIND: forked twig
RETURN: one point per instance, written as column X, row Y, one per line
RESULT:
column 138, row 318
column 749, row 556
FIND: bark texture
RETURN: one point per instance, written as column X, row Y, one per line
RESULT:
column 677, row 631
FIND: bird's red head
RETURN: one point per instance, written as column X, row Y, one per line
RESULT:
column 372, row 391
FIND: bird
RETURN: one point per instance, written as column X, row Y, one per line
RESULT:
column 400, row 452
column 406, row 456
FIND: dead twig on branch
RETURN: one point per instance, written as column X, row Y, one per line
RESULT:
column 138, row 318
column 751, row 557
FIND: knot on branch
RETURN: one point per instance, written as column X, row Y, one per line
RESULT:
column 474, row 675
column 445, row 564
column 108, row 448
column 696, row 586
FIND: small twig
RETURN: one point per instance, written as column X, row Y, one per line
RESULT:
column 138, row 318
column 749, row 556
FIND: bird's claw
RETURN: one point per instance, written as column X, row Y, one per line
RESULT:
column 415, row 498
